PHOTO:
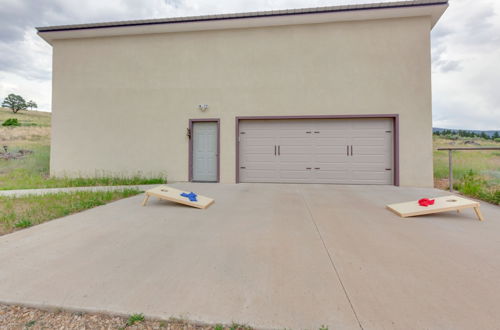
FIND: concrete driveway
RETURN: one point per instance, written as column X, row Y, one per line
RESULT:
column 268, row 255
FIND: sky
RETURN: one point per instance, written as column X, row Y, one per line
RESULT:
column 465, row 47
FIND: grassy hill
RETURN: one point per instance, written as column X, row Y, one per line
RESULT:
column 27, row 117
column 33, row 134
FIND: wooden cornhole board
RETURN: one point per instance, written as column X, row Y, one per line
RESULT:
column 174, row 195
column 441, row 204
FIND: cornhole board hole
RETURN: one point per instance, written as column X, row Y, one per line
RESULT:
column 174, row 195
column 441, row 204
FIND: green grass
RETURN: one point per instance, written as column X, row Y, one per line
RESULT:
column 135, row 318
column 24, row 211
column 23, row 224
column 33, row 172
column 475, row 173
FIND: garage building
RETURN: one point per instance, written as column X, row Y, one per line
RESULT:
column 337, row 95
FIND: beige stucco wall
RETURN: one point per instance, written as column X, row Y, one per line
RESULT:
column 122, row 105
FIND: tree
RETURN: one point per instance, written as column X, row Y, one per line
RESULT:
column 496, row 135
column 15, row 103
column 31, row 104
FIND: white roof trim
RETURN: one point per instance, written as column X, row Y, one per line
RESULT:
column 430, row 8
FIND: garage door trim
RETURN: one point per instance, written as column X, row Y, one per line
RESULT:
column 394, row 117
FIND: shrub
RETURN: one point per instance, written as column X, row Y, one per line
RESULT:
column 11, row 122
column 475, row 186
column 471, row 184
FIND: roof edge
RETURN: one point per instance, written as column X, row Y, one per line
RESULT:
column 246, row 15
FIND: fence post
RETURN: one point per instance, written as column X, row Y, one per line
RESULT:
column 450, row 168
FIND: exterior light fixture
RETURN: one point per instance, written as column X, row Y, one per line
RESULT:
column 203, row 107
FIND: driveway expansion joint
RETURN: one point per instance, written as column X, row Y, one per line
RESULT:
column 331, row 260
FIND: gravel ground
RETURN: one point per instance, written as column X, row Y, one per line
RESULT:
column 19, row 317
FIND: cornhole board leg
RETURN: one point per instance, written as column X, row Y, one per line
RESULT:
column 146, row 197
column 478, row 213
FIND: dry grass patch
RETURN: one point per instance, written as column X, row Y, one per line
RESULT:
column 24, row 134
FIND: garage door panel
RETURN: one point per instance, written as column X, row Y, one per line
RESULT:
column 299, row 133
column 256, row 165
column 369, row 133
column 320, row 144
column 372, row 166
column 364, row 177
column 295, row 176
column 331, row 149
column 368, row 150
column 369, row 141
column 258, row 134
column 259, row 156
column 325, row 176
column 295, row 166
column 258, row 176
column 339, row 167
column 294, row 142
column 330, row 160
column 295, row 159
column 248, row 139
column 259, row 149
column 329, row 141
column 261, row 163
column 370, row 161
column 285, row 150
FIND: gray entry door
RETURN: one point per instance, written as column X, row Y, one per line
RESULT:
column 344, row 151
column 205, row 151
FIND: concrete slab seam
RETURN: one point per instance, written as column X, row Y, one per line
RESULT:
column 331, row 260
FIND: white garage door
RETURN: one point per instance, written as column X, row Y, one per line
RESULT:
column 344, row 151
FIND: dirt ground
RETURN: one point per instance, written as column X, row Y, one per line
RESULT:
column 442, row 184
column 19, row 317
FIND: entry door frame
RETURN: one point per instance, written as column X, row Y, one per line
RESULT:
column 191, row 136
column 395, row 140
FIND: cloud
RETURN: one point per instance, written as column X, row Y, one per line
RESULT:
column 465, row 68
column 465, row 47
